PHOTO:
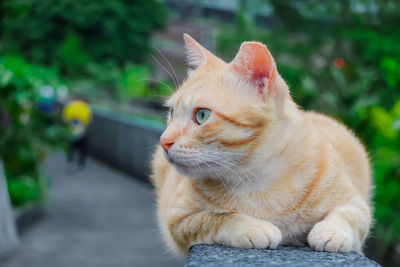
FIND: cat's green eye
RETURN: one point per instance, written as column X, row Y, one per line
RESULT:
column 202, row 115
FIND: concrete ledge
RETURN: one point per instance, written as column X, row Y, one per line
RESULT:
column 217, row 255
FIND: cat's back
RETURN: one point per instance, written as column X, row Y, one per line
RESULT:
column 346, row 145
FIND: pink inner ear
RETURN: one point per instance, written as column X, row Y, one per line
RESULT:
column 253, row 61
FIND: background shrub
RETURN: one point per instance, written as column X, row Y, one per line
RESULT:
column 70, row 33
column 29, row 123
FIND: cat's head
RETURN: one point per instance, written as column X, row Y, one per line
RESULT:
column 223, row 112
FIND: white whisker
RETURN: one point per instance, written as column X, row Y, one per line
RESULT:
column 155, row 80
column 235, row 169
column 169, row 73
column 173, row 70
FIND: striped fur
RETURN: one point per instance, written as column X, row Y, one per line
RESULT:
column 259, row 172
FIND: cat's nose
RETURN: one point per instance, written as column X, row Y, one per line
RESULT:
column 166, row 143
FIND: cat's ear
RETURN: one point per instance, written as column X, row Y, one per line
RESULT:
column 255, row 65
column 196, row 54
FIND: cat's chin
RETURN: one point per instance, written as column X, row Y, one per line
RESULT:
column 193, row 172
column 198, row 171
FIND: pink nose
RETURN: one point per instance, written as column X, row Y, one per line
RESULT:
column 166, row 143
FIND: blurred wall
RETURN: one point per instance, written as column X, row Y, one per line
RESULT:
column 123, row 141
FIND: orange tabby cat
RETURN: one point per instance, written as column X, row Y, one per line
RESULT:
column 240, row 164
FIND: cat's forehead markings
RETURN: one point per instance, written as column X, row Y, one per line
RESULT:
column 186, row 98
column 175, row 99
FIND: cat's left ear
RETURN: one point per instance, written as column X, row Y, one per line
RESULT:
column 197, row 55
column 255, row 65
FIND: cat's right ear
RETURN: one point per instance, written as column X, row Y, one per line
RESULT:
column 197, row 55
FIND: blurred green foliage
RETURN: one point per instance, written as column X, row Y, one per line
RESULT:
column 92, row 43
column 385, row 153
column 26, row 189
column 342, row 58
column 136, row 83
column 111, row 82
column 70, row 33
column 29, row 123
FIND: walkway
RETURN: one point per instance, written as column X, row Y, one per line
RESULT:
column 96, row 217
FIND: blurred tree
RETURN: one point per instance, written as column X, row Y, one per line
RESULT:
column 29, row 123
column 69, row 33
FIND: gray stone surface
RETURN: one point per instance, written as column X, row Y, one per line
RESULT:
column 94, row 217
column 217, row 255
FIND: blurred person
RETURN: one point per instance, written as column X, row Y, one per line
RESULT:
column 77, row 114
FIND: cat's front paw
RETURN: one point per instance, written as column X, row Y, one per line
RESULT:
column 250, row 233
column 326, row 236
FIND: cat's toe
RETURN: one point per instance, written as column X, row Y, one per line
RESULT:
column 274, row 235
column 331, row 238
column 258, row 235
